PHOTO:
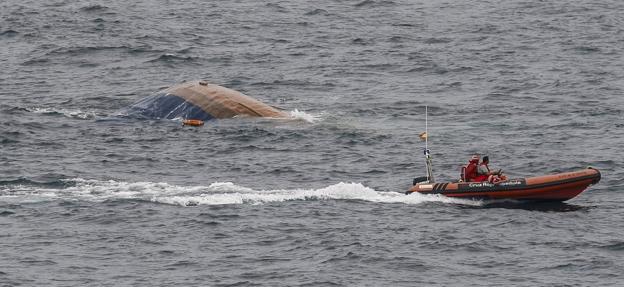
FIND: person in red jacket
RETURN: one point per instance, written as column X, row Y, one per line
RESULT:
column 470, row 173
column 484, row 173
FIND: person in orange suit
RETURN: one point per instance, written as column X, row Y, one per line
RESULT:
column 470, row 173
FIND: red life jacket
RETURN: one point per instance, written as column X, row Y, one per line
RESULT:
column 471, row 171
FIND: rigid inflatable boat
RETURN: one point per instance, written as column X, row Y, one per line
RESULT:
column 555, row 187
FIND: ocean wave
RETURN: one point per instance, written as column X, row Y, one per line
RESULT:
column 9, row 33
column 308, row 117
column 20, row 182
column 93, row 8
column 70, row 113
column 317, row 11
column 218, row 193
column 49, row 52
column 370, row 3
column 171, row 58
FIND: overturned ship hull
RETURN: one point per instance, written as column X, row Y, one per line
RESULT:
column 199, row 100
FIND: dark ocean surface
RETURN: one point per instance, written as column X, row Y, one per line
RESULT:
column 88, row 198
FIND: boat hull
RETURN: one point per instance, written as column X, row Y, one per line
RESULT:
column 199, row 100
column 556, row 187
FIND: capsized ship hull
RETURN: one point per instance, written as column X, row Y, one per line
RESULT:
column 199, row 100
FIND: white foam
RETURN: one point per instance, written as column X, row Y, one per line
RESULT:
column 301, row 115
column 214, row 194
column 293, row 115
column 76, row 114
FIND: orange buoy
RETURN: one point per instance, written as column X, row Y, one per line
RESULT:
column 195, row 123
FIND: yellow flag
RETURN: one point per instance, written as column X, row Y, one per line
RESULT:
column 423, row 135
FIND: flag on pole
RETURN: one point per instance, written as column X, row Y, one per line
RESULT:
column 423, row 136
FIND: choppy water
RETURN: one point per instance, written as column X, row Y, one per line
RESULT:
column 90, row 199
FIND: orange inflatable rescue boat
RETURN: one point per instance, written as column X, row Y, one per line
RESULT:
column 556, row 187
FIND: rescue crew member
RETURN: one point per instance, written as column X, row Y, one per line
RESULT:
column 484, row 173
column 470, row 173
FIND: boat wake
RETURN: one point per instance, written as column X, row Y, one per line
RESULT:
column 218, row 193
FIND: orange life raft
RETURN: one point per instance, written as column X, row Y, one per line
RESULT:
column 555, row 187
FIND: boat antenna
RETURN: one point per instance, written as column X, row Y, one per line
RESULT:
column 427, row 153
